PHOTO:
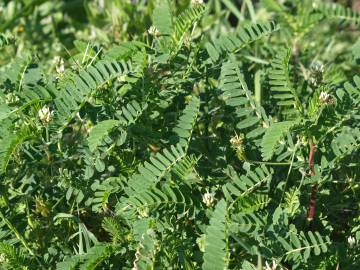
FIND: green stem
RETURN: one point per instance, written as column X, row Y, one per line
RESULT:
column 47, row 134
column 289, row 171
column 20, row 238
column 269, row 163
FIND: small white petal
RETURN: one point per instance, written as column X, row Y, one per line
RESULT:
column 197, row 2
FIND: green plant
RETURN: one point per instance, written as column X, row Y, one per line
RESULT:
column 178, row 146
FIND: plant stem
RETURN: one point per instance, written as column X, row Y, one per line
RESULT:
column 269, row 163
column 311, row 212
column 20, row 238
column 289, row 171
column 47, row 134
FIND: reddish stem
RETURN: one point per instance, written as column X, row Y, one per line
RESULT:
column 311, row 212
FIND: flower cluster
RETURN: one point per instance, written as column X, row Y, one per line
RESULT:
column 325, row 98
column 316, row 74
column 208, row 199
column 237, row 143
column 59, row 65
column 45, row 115
column 153, row 31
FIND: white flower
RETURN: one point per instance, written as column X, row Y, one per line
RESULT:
column 273, row 266
column 2, row 258
column 208, row 199
column 47, row 20
column 153, row 31
column 317, row 66
column 45, row 114
column 59, row 64
column 237, row 141
column 197, row 2
column 351, row 241
column 323, row 95
column 325, row 98
column 11, row 98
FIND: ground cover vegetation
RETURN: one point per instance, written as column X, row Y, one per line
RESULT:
column 179, row 134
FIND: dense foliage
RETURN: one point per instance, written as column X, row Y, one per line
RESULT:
column 179, row 135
